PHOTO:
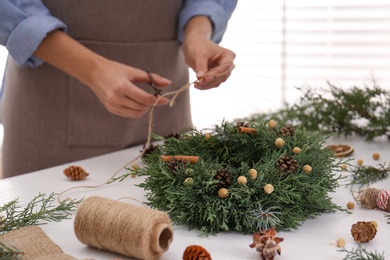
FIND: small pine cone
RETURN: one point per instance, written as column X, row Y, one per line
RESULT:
column 287, row 164
column 150, row 149
column 173, row 135
column 287, row 130
column 174, row 164
column 242, row 124
column 75, row 173
column 224, row 178
column 363, row 231
column 195, row 252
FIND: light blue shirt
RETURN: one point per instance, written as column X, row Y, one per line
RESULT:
column 25, row 23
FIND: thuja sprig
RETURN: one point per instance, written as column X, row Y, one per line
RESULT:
column 9, row 253
column 39, row 210
column 361, row 253
column 365, row 175
column 364, row 111
column 388, row 218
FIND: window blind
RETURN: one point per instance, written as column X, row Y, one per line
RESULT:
column 284, row 44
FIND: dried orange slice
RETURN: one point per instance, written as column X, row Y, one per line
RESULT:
column 341, row 150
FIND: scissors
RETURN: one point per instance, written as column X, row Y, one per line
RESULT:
column 157, row 91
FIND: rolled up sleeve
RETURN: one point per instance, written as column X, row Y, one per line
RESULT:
column 218, row 11
column 23, row 26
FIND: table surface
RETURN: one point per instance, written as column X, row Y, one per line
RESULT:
column 314, row 239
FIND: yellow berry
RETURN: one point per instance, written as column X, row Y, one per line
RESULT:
column 189, row 181
column 359, row 162
column 307, row 168
column 279, row 142
column 376, row 156
column 207, row 136
column 340, row 242
column 223, row 193
column 344, row 167
column 272, row 123
column 374, row 223
column 132, row 175
column 268, row 188
column 242, row 180
column 253, row 174
column 350, row 205
column 296, row 150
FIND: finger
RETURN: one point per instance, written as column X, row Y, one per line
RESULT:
column 142, row 76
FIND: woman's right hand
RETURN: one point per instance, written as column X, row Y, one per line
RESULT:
column 114, row 85
column 112, row 82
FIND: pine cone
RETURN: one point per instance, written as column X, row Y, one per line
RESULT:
column 150, row 149
column 287, row 130
column 173, row 135
column 174, row 164
column 286, row 165
column 224, row 178
column 242, row 124
column 75, row 173
column 363, row 231
column 195, row 252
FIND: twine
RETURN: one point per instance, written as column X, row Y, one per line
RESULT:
column 230, row 66
column 123, row 228
column 372, row 198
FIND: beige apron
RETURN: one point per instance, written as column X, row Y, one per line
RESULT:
column 50, row 118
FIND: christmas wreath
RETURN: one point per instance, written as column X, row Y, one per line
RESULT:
column 240, row 177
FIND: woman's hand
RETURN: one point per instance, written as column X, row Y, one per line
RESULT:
column 112, row 82
column 212, row 63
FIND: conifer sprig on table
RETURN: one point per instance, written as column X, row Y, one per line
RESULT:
column 9, row 253
column 360, row 253
column 39, row 210
column 189, row 193
column 388, row 218
column 364, row 111
column 366, row 175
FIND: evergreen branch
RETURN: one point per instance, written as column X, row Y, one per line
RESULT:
column 366, row 175
column 362, row 111
column 361, row 253
column 388, row 218
column 38, row 211
column 9, row 253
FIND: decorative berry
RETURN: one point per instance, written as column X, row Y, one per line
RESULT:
column 307, row 168
column 344, row 167
column 223, row 193
column 242, row 180
column 350, row 205
column 279, row 142
column 189, row 181
column 340, row 242
column 195, row 252
column 75, row 173
column 268, row 188
column 272, row 123
column 374, row 223
column 376, row 156
column 207, row 136
column 253, row 174
column 296, row 150
column 359, row 162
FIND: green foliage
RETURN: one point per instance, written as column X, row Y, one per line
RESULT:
column 9, row 253
column 362, row 111
column 38, row 211
column 388, row 218
column 297, row 196
column 366, row 175
column 361, row 253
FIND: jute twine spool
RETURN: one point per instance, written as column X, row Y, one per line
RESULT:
column 123, row 228
column 373, row 198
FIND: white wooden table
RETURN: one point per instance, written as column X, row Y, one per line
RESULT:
column 315, row 239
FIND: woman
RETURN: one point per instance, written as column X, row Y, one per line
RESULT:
column 76, row 85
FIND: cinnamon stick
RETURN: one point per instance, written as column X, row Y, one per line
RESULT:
column 189, row 158
column 246, row 130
